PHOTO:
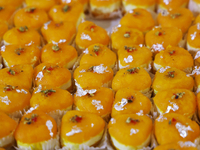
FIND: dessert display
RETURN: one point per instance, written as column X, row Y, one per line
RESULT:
column 98, row 54
column 79, row 129
column 60, row 53
column 20, row 55
column 131, row 56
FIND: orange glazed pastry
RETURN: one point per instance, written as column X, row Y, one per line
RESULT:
column 31, row 17
column 19, row 75
column 176, row 57
column 129, row 101
column 61, row 54
column 135, row 78
column 53, row 101
column 3, row 28
column 123, row 35
column 52, row 75
column 171, row 78
column 134, row 56
column 130, row 131
column 88, row 34
column 41, row 4
column 6, row 12
column 80, row 129
column 85, row 3
column 179, row 101
column 37, row 130
column 71, row 13
column 177, row 127
column 58, row 32
column 15, row 3
column 179, row 17
column 7, row 128
column 98, row 101
column 160, row 37
column 14, row 101
column 20, row 55
column 105, row 8
column 136, row 19
column 193, row 37
column 22, row 35
column 98, row 54
column 87, row 76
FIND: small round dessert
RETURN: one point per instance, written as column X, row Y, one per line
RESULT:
column 130, row 131
column 136, row 19
column 87, row 76
column 159, row 38
column 67, row 13
column 85, row 3
column 176, row 57
column 181, row 127
column 171, row 78
column 177, row 146
column 60, row 54
column 19, row 75
column 123, row 35
column 105, row 9
column 3, row 29
column 47, row 74
column 63, row 32
column 80, row 129
column 129, row 101
column 7, row 129
column 193, row 37
column 194, row 6
column 45, row 98
column 15, row 3
column 20, row 55
column 180, row 101
column 31, row 17
column 87, row 35
column 171, row 4
column 37, row 130
column 134, row 56
column 180, row 17
column 136, row 78
column 22, row 36
column 98, row 54
column 6, row 12
column 129, row 5
column 41, row 4
column 98, row 101
column 14, row 101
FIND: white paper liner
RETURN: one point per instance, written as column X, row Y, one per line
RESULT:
column 18, row 114
column 7, row 141
column 194, row 7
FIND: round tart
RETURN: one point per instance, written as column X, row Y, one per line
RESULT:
column 176, row 57
column 80, row 129
column 98, row 54
column 131, row 56
column 179, row 17
column 87, row 76
column 36, row 130
column 129, row 101
column 52, row 75
column 61, row 54
column 123, row 35
column 22, row 36
column 7, row 128
column 14, row 101
column 130, row 131
column 136, row 19
column 71, row 13
column 19, row 75
column 89, row 34
column 31, row 17
column 98, row 101
column 175, row 126
column 180, row 101
column 171, row 78
column 135, row 78
column 45, row 98
column 63, row 32
column 20, row 55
